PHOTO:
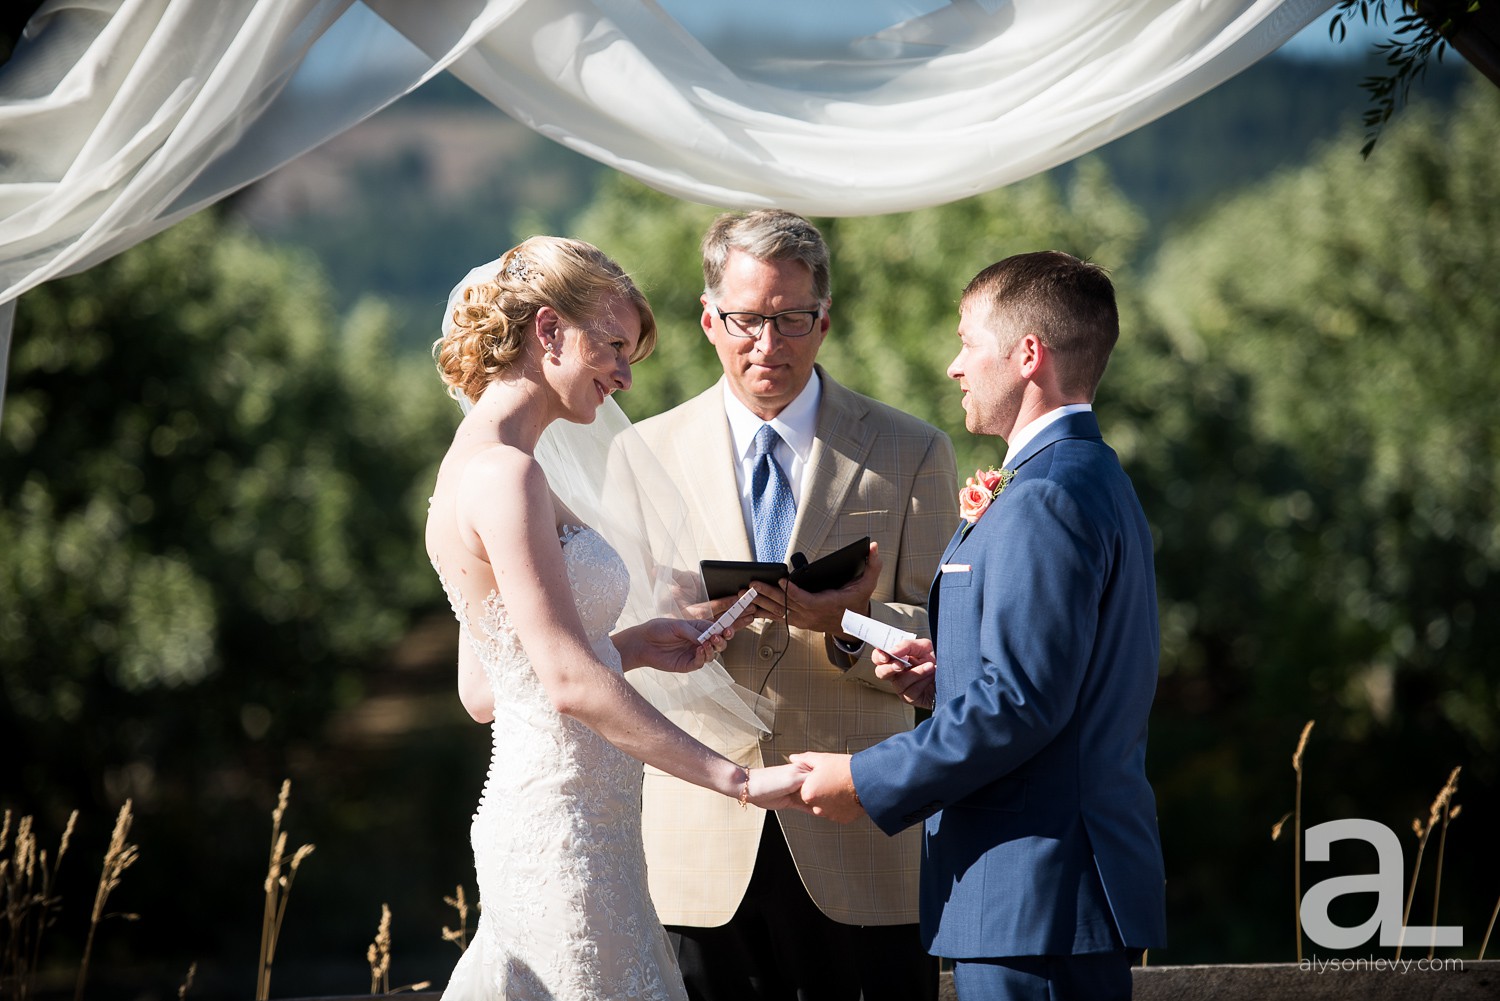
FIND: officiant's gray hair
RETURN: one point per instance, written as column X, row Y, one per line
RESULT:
column 1068, row 303
column 766, row 235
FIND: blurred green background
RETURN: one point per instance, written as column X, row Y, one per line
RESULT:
column 216, row 451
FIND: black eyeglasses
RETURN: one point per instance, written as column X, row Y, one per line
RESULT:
column 790, row 323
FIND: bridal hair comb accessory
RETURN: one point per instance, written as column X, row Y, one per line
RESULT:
column 521, row 269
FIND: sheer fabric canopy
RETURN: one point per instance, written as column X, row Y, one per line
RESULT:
column 120, row 117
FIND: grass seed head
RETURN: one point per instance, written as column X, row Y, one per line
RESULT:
column 1301, row 746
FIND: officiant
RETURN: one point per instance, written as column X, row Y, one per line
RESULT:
column 777, row 460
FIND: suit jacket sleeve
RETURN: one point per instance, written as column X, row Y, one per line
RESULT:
column 1024, row 634
column 926, row 525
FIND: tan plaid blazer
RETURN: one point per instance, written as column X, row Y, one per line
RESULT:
column 874, row 471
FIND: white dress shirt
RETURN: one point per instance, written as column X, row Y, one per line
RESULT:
column 1023, row 437
column 797, row 424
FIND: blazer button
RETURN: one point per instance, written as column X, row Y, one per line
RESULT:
column 766, row 652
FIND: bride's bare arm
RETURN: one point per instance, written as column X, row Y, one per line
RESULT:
column 505, row 502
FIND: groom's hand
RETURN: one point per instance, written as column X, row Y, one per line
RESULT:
column 829, row 787
column 915, row 680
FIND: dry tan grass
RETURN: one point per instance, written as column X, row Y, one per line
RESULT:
column 119, row 856
column 379, row 955
column 1437, row 813
column 459, row 936
column 1296, row 817
column 27, row 905
column 280, row 873
column 1450, row 813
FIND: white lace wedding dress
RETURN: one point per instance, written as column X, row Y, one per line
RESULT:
column 564, row 910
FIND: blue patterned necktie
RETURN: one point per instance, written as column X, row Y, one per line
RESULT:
column 771, row 503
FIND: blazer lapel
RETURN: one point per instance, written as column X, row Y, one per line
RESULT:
column 839, row 452
column 955, row 542
column 1079, row 425
column 706, row 462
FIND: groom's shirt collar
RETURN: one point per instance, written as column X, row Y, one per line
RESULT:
column 1022, row 438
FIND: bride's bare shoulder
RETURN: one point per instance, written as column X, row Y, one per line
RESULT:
column 500, row 477
column 497, row 461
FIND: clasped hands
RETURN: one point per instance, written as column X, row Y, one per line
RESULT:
column 825, row 784
column 817, row 782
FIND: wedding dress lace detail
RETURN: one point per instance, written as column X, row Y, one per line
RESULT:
column 565, row 913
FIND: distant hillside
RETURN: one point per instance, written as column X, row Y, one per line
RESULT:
column 1274, row 115
column 403, row 204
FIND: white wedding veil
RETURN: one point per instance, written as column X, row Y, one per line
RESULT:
column 598, row 470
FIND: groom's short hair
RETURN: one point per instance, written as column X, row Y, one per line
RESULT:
column 1068, row 303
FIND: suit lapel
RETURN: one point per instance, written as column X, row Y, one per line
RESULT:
column 934, row 591
column 840, row 449
column 955, row 542
column 706, row 465
column 1079, row 425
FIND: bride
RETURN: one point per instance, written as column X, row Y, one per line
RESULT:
column 547, row 333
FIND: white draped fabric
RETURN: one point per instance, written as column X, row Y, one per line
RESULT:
column 120, row 117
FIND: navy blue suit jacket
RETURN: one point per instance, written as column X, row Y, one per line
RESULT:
column 1040, row 826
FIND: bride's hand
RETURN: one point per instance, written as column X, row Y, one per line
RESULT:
column 672, row 644
column 777, row 788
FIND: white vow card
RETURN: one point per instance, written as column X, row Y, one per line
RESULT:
column 877, row 634
column 726, row 620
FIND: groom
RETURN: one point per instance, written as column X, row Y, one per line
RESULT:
column 1042, row 872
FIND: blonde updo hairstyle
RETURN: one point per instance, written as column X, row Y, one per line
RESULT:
column 492, row 311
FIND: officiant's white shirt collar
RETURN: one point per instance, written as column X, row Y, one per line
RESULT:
column 1023, row 438
column 797, row 424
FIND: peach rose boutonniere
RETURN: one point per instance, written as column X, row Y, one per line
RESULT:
column 980, row 490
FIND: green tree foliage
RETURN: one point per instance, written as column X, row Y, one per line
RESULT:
column 1313, row 427
column 1351, row 314
column 211, row 493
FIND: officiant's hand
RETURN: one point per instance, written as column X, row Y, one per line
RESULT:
column 916, row 684
column 778, row 787
column 821, row 611
column 829, row 788
column 669, row 644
